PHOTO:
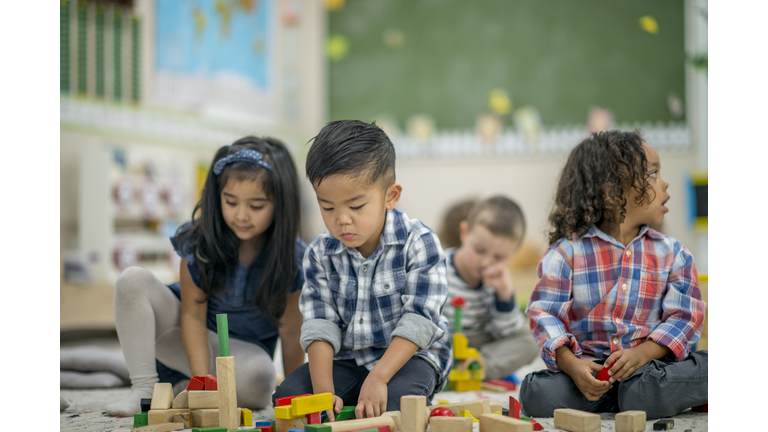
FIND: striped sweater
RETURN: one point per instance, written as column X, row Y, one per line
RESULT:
column 483, row 312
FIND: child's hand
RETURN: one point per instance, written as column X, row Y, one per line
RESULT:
column 627, row 361
column 373, row 398
column 499, row 278
column 338, row 404
column 580, row 371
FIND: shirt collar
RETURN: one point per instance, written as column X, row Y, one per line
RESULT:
column 394, row 233
column 594, row 231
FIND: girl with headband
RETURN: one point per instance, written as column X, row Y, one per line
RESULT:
column 241, row 256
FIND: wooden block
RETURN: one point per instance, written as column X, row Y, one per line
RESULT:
column 283, row 401
column 196, row 383
column 160, row 427
column 450, row 424
column 227, row 390
column 396, row 417
column 304, row 405
column 246, row 418
column 202, row 399
column 210, row 429
column 630, row 421
column 497, row 422
column 317, row 428
column 211, row 381
column 283, row 425
column 476, row 407
column 184, row 418
column 494, row 388
column 384, row 428
column 284, row 412
column 181, row 400
column 577, row 421
column 351, row 425
column 495, row 406
column 413, row 413
column 162, row 396
column 207, row 417
column 469, row 385
column 163, row 416
column 145, row 404
column 140, row 419
column 314, row 418
column 467, row 414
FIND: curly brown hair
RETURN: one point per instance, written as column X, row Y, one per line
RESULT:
column 594, row 179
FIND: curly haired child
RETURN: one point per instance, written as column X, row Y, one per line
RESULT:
column 614, row 292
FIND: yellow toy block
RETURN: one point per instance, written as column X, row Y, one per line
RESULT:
column 468, row 385
column 304, row 405
column 461, row 350
column 247, row 417
column 459, row 375
column 477, row 375
column 496, row 412
column 284, row 412
column 443, row 401
column 466, row 413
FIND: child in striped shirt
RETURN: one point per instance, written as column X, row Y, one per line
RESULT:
column 614, row 290
column 478, row 271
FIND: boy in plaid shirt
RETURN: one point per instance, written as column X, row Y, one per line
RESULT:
column 375, row 283
column 614, row 290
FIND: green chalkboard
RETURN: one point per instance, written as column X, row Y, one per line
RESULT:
column 561, row 56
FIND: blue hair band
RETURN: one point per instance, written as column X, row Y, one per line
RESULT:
column 251, row 156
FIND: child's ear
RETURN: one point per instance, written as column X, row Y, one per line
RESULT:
column 392, row 196
column 463, row 228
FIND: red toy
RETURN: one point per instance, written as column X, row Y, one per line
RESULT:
column 603, row 374
column 441, row 412
column 506, row 384
column 514, row 408
column 458, row 301
column 196, row 383
column 210, row 382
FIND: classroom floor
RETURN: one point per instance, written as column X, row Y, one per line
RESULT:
column 86, row 407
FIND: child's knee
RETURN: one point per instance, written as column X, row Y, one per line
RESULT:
column 132, row 282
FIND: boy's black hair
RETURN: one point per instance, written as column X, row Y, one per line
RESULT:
column 500, row 215
column 353, row 148
column 215, row 246
column 594, row 179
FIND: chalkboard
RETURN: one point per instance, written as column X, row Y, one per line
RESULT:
column 561, row 56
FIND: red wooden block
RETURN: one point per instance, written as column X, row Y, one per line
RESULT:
column 536, row 425
column 603, row 374
column 314, row 418
column 196, row 383
column 210, row 382
column 287, row 400
column 514, row 408
column 506, row 384
column 264, row 428
column 441, row 411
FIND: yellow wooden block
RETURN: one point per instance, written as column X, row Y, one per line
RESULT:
column 247, row 417
column 443, row 401
column 466, row 413
column 458, row 375
column 303, row 405
column 284, row 412
column 469, row 385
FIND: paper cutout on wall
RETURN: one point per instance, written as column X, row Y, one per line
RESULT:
column 336, row 47
column 394, row 38
column 649, row 24
column 499, row 102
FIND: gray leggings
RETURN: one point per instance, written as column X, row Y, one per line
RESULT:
column 148, row 321
column 660, row 388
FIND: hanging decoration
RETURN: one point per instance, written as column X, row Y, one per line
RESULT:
column 649, row 24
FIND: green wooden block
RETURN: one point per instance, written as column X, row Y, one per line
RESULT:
column 210, row 429
column 317, row 428
column 140, row 419
column 347, row 413
column 222, row 328
column 475, row 366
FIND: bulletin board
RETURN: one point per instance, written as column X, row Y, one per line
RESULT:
column 443, row 57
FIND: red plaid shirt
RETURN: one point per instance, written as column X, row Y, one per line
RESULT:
column 597, row 296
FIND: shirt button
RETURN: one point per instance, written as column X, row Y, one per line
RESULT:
column 615, row 341
column 624, row 287
column 365, row 268
column 361, row 320
column 618, row 321
column 386, row 286
column 629, row 253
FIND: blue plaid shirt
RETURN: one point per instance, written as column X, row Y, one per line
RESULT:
column 359, row 304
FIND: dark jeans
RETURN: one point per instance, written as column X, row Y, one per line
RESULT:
column 660, row 388
column 416, row 377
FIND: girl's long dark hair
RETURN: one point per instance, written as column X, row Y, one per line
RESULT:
column 215, row 246
column 591, row 188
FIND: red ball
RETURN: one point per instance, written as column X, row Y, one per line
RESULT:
column 441, row 411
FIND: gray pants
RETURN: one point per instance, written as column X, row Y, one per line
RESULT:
column 660, row 388
column 504, row 356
